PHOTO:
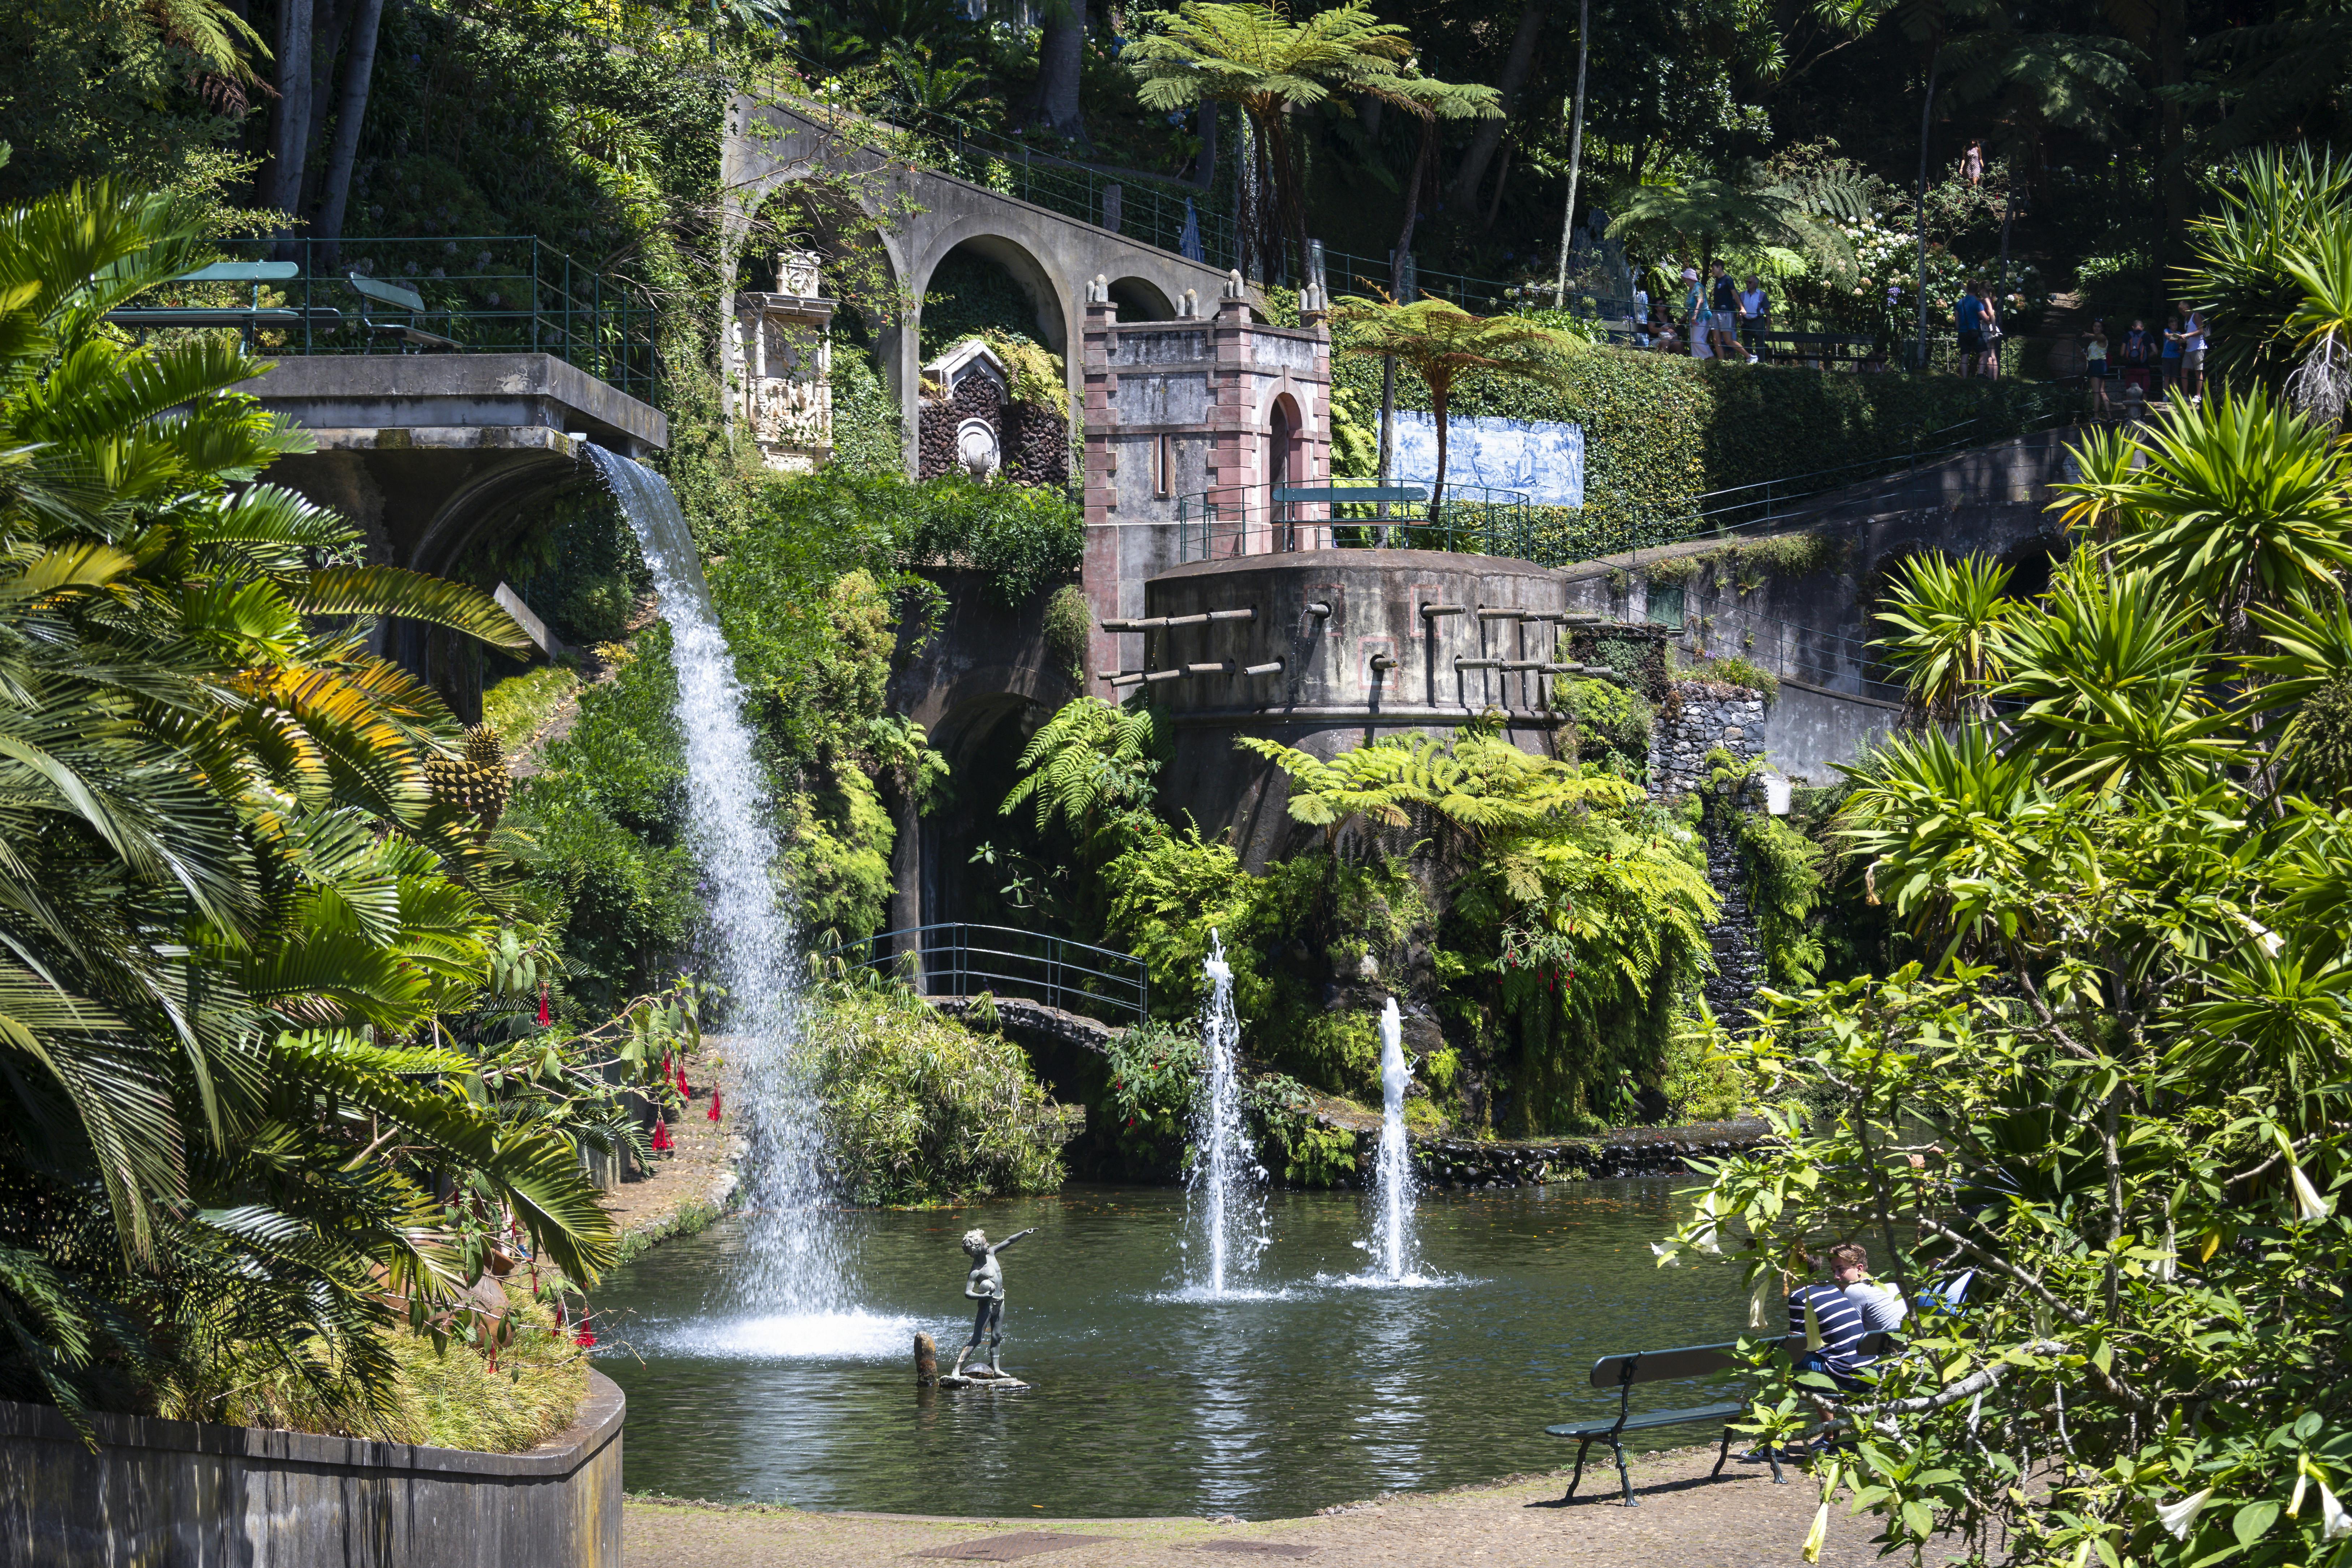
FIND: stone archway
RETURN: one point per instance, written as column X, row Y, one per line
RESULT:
column 1140, row 300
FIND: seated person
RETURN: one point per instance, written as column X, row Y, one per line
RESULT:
column 1831, row 1321
column 1882, row 1306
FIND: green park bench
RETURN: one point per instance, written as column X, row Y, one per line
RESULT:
column 396, row 296
column 1623, row 1372
column 247, row 319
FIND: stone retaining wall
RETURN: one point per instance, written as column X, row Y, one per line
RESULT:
column 1634, row 1152
column 1711, row 714
column 160, row 1494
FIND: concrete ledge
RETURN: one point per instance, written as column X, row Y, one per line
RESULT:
column 378, row 391
column 446, row 438
column 173, row 1492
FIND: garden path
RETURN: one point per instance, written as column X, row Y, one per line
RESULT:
column 683, row 1183
column 1685, row 1521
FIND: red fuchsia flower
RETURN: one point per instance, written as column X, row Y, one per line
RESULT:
column 714, row 1102
column 663, row 1142
column 685, row 1089
column 587, row 1337
column 544, row 1016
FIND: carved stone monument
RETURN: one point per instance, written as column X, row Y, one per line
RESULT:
column 985, row 1287
column 783, row 362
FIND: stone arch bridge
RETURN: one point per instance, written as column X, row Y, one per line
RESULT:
column 918, row 217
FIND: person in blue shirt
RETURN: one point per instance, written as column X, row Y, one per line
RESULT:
column 1968, row 314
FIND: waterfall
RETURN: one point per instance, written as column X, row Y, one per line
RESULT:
column 1392, row 1170
column 1225, row 1180
column 795, row 1266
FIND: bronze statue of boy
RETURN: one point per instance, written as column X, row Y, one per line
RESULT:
column 985, row 1285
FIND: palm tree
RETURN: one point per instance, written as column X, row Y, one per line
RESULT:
column 1440, row 342
column 1253, row 56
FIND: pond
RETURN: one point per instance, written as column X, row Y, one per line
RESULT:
column 1147, row 1399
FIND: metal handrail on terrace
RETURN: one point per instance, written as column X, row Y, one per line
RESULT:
column 483, row 293
column 1343, row 514
column 960, row 958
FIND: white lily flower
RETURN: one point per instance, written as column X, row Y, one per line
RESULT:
column 1670, row 1254
column 1756, row 1299
column 1814, row 1339
column 2334, row 1524
column 2181, row 1518
column 2167, row 1259
column 2308, row 1204
column 2269, row 941
column 1818, row 1535
column 1705, row 1240
column 2294, row 1503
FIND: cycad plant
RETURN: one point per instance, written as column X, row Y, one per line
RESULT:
column 2108, row 1120
column 232, row 907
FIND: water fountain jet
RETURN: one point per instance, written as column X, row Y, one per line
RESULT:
column 1225, row 1182
column 1392, row 1248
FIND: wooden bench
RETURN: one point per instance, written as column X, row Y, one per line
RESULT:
column 1623, row 1372
column 246, row 319
column 410, row 335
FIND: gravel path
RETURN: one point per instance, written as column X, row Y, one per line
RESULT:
column 1685, row 1520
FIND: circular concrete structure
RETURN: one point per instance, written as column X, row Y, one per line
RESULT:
column 1367, row 643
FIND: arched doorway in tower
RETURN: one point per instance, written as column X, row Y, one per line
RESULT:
column 1283, row 468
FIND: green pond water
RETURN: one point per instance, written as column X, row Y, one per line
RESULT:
column 1317, row 1389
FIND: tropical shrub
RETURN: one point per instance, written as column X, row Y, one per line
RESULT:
column 252, row 866
column 2104, row 1115
column 923, row 1109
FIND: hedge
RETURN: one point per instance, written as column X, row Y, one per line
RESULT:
column 1659, row 429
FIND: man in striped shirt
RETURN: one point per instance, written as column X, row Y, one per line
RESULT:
column 1831, row 1322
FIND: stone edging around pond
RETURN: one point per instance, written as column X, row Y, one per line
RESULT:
column 1442, row 1161
column 1628, row 1151
column 159, row 1491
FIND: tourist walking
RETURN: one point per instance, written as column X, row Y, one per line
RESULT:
column 1755, row 313
column 1972, row 163
column 1723, row 301
column 2139, row 347
column 1968, row 316
column 1988, row 329
column 1696, row 318
column 2095, row 364
column 2192, row 355
column 2168, row 374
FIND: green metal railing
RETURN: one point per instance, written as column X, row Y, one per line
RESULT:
column 482, row 293
column 959, row 958
column 1344, row 515
column 1149, row 209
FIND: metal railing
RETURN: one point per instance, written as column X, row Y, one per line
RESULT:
column 1610, row 526
column 1155, row 210
column 956, row 958
column 1346, row 272
column 1342, row 514
column 484, row 293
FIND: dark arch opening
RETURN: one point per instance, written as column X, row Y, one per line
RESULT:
column 989, row 281
column 1140, row 300
column 2029, row 565
column 982, row 738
